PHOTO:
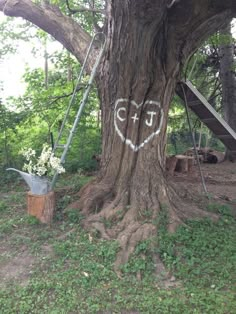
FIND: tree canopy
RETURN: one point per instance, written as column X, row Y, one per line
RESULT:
column 192, row 20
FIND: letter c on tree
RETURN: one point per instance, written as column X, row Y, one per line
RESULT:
column 118, row 113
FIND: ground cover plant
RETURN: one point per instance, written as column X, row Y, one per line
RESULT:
column 61, row 268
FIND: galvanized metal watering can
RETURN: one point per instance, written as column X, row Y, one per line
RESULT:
column 38, row 185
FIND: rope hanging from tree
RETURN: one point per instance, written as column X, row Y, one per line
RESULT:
column 193, row 140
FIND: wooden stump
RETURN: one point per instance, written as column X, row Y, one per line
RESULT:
column 171, row 162
column 214, row 157
column 191, row 168
column 182, row 164
column 179, row 163
column 41, row 206
column 207, row 155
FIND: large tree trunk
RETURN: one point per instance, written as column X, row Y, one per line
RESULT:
column 228, row 80
column 139, row 77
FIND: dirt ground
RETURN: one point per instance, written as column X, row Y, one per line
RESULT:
column 220, row 182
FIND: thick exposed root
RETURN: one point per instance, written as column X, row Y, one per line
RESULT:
column 114, row 217
column 128, row 231
column 93, row 197
column 129, row 238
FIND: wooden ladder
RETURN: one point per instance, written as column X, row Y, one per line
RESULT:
column 207, row 114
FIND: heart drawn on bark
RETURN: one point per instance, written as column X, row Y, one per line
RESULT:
column 136, row 124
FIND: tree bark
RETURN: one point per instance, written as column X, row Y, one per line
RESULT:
column 139, row 75
column 228, row 80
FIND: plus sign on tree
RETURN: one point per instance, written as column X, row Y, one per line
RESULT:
column 148, row 43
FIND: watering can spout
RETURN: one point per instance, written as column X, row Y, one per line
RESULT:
column 37, row 185
column 24, row 175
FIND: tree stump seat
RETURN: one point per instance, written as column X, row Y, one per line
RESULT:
column 179, row 163
column 41, row 206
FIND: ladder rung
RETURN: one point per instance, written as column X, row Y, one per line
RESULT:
column 225, row 136
column 209, row 119
column 194, row 103
column 81, row 86
column 60, row 146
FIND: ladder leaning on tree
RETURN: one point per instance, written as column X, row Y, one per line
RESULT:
column 65, row 146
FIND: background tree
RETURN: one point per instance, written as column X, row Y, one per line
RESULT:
column 148, row 42
column 228, row 80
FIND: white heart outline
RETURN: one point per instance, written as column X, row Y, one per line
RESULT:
column 127, row 141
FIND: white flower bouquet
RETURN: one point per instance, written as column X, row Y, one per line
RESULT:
column 44, row 165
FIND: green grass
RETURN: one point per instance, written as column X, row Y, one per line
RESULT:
column 75, row 182
column 203, row 253
column 75, row 274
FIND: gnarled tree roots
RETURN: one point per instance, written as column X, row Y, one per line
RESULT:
column 129, row 223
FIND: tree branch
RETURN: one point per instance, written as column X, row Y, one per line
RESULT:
column 83, row 9
column 91, row 9
column 49, row 18
column 193, row 21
